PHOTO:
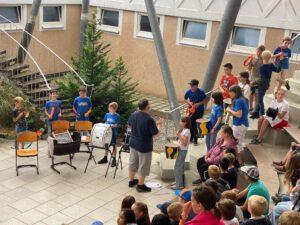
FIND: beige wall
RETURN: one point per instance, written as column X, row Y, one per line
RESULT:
column 186, row 62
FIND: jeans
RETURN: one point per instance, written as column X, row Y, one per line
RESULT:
column 49, row 130
column 280, row 208
column 179, row 169
column 210, row 140
column 194, row 129
column 260, row 107
column 202, row 167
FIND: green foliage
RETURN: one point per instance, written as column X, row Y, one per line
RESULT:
column 8, row 91
column 111, row 82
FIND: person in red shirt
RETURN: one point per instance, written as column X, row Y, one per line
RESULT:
column 227, row 81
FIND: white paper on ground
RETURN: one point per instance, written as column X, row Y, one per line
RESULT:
column 153, row 185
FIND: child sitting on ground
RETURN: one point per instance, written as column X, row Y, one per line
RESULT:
column 230, row 194
column 215, row 174
column 113, row 119
column 141, row 213
column 82, row 105
column 232, row 171
column 184, row 136
column 289, row 218
column 284, row 53
column 174, row 212
column 127, row 202
column 228, row 209
column 257, row 205
column 223, row 165
column 244, row 84
column 52, row 109
column 215, row 120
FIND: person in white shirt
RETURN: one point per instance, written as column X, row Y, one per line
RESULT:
column 280, row 121
column 244, row 83
column 184, row 136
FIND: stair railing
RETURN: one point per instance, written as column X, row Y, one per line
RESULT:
column 49, row 49
column 29, row 55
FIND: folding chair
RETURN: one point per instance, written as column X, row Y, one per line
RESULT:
column 85, row 127
column 27, row 136
column 60, row 126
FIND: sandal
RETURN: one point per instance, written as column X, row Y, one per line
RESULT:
column 280, row 163
column 256, row 142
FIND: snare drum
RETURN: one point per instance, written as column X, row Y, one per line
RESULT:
column 203, row 126
column 101, row 135
column 171, row 151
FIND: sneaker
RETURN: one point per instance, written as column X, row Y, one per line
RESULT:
column 197, row 182
column 143, row 188
column 287, row 85
column 133, row 182
column 103, row 160
column 114, row 162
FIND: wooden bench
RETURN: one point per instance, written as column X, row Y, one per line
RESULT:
column 293, row 131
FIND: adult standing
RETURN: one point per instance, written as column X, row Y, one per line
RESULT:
column 143, row 128
column 195, row 98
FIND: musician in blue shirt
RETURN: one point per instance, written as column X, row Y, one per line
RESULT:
column 82, row 105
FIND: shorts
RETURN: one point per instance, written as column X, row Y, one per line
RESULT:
column 276, row 123
column 140, row 162
column 281, row 125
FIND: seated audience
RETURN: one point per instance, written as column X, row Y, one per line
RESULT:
column 228, row 210
column 289, row 218
column 225, row 175
column 256, row 187
column 164, row 207
column 214, row 185
column 127, row 202
column 280, row 121
column 126, row 216
column 257, row 205
column 184, row 196
column 214, row 155
column 141, row 213
column 174, row 212
column 232, row 171
column 281, row 165
column 233, row 196
column 214, row 173
column 160, row 219
column 204, row 205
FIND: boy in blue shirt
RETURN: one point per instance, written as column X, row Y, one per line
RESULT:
column 52, row 109
column 113, row 119
column 283, row 53
column 82, row 105
column 195, row 97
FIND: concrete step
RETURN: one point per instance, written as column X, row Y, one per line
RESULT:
column 297, row 75
column 294, row 83
column 293, row 95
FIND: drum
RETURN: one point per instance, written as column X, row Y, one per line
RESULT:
column 227, row 101
column 101, row 135
column 171, row 151
column 203, row 126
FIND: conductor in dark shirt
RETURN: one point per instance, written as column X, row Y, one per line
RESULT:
column 143, row 128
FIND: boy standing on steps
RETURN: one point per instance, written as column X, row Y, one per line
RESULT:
column 52, row 110
column 82, row 105
column 113, row 119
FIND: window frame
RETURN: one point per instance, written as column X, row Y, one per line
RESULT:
column 191, row 41
column 288, row 33
column 144, row 34
column 247, row 49
column 61, row 25
column 108, row 28
column 23, row 17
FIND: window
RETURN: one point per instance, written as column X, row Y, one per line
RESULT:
column 111, row 20
column 295, row 46
column 193, row 32
column 12, row 13
column 142, row 26
column 53, row 17
column 247, row 39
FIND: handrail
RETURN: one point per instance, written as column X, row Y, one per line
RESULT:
column 30, row 56
column 40, row 42
column 294, row 38
column 185, row 104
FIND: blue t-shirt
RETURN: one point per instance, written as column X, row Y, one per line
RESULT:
column 287, row 53
column 143, row 128
column 241, row 104
column 113, row 119
column 216, row 112
column 196, row 97
column 82, row 105
column 57, row 105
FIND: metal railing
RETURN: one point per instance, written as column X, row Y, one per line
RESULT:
column 45, row 46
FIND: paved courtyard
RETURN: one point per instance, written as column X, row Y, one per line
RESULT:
column 71, row 197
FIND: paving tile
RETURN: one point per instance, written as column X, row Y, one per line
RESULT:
column 43, row 196
column 7, row 213
column 13, row 183
column 75, row 211
column 67, row 199
column 83, row 192
column 31, row 216
column 92, row 203
column 102, row 215
column 83, row 221
column 50, row 208
column 58, row 219
column 5, row 200
column 13, row 221
column 61, row 188
column 53, row 179
column 107, row 195
column 37, row 186
column 19, row 193
column 24, row 204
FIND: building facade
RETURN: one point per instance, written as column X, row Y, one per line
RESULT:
column 188, row 27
